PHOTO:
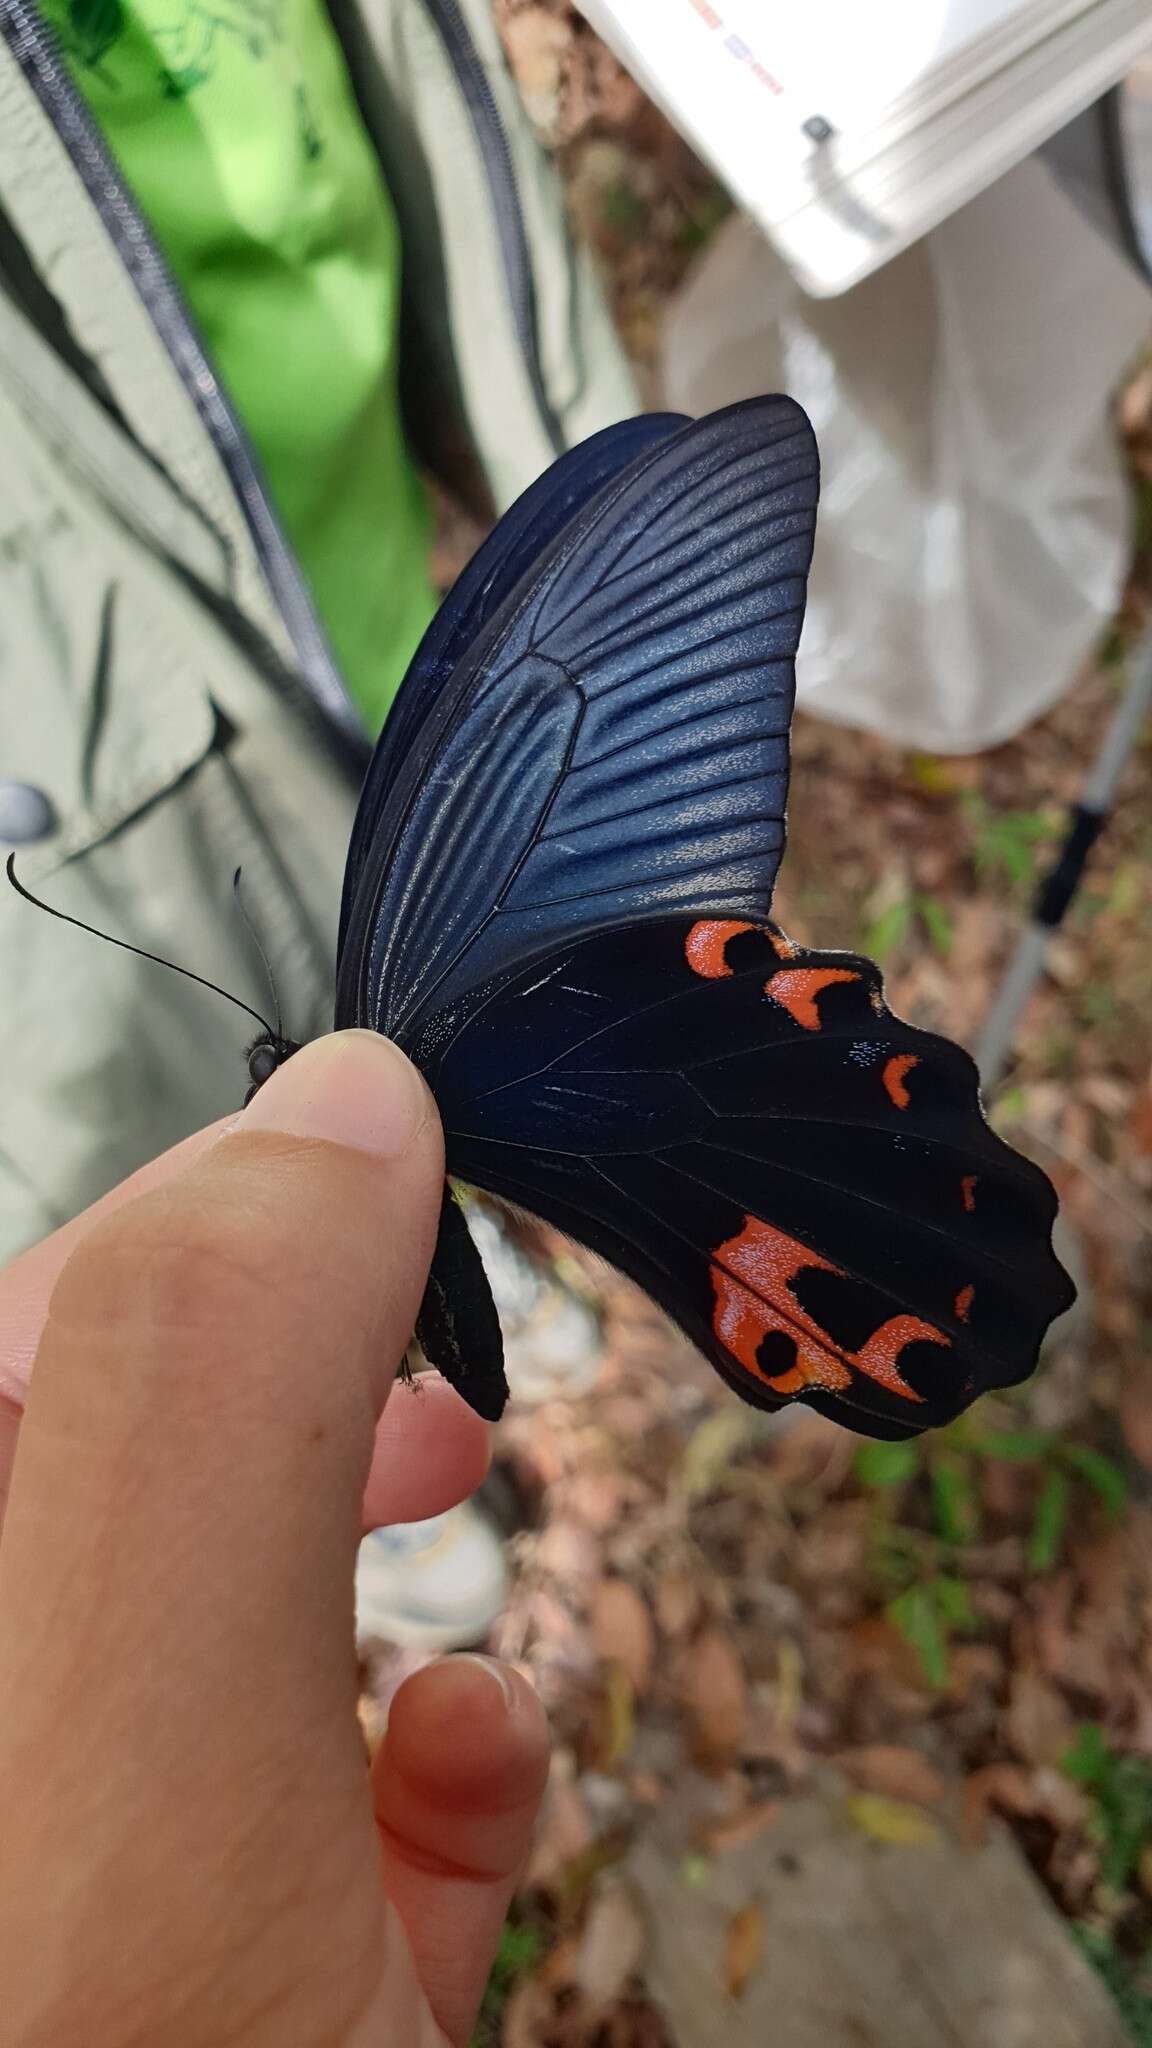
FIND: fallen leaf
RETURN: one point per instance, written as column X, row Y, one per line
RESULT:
column 717, row 1699
column 567, row 1550
column 537, row 44
column 622, row 1630
column 891, row 1820
column 621, row 1718
column 556, row 1970
column 1043, row 1794
column 596, row 1498
column 564, row 1834
column 1136, row 1409
column 1038, row 1722
column 788, row 1697
column 937, row 775
column 677, row 1603
column 1141, row 1123
column 894, row 1772
column 743, row 1949
column 611, row 1946
column 711, row 1449
column 526, row 2015
column 874, row 1648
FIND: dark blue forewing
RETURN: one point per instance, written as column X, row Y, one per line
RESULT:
column 614, row 744
column 525, row 530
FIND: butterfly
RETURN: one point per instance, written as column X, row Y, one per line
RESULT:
column 557, row 903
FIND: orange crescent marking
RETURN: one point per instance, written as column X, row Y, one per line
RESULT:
column 893, row 1077
column 796, row 990
column 968, row 1191
column 963, row 1303
column 705, row 948
column 752, row 1275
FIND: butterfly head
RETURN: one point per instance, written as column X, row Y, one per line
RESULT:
column 265, row 1054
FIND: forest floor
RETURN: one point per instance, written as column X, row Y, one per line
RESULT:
column 962, row 1624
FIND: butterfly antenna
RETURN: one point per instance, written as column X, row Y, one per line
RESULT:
column 124, row 946
column 254, row 935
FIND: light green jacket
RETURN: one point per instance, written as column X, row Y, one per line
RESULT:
column 169, row 710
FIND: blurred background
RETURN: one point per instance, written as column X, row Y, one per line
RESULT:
column 854, row 1741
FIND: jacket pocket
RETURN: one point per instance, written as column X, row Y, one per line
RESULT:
column 111, row 690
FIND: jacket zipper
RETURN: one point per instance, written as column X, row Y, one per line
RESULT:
column 35, row 49
column 499, row 169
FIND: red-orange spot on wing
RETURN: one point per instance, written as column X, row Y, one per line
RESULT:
column 893, row 1077
column 752, row 1275
column 796, row 990
column 963, row 1303
column 705, row 948
column 968, row 1191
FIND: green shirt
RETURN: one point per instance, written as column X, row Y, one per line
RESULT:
column 236, row 127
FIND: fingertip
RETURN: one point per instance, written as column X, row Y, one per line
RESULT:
column 352, row 1088
column 467, row 1734
column 457, row 1784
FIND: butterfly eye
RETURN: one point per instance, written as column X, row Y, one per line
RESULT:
column 263, row 1061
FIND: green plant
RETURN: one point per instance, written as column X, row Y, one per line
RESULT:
column 928, row 1603
column 919, row 1568
column 1063, row 1464
column 702, row 219
column 520, row 1949
column 895, row 925
column 928, row 1615
column 1004, row 842
column 1133, row 2003
column 623, row 210
column 1121, row 1791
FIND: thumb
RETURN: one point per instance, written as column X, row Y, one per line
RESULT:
column 247, row 1316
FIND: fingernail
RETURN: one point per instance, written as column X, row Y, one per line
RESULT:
column 353, row 1088
column 492, row 1669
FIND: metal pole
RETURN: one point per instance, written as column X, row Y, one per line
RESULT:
column 1059, row 886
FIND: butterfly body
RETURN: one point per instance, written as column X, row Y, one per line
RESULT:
column 557, row 903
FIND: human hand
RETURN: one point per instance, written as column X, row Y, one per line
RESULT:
column 193, row 1850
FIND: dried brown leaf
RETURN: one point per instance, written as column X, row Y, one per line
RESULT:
column 622, row 1630
column 894, row 1772
column 567, row 1550
column 717, row 1698
column 1136, row 1409
column 1041, row 1794
column 743, row 1948
column 564, row 1835
column 677, row 1603
column 537, row 45
column 611, row 1946
column 526, row 2015
column 1038, row 1722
